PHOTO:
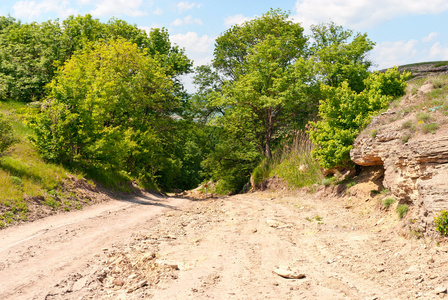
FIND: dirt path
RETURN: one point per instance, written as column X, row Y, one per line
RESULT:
column 225, row 248
column 36, row 256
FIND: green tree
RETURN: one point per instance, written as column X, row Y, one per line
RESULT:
column 109, row 107
column 269, row 77
column 341, row 55
column 31, row 53
column 344, row 113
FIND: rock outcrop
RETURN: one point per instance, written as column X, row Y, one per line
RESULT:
column 415, row 163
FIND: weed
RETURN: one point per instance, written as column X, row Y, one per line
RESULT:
column 415, row 233
column 375, row 192
column 374, row 133
column 385, row 192
column 388, row 202
column 353, row 183
column 16, row 180
column 405, row 138
column 407, row 124
column 441, row 222
column 430, row 128
column 294, row 163
column 402, row 210
column 53, row 203
column 423, row 117
column 329, row 180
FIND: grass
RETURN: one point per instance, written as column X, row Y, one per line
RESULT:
column 388, row 202
column 402, row 210
column 406, row 138
column 294, row 163
column 23, row 173
column 430, row 128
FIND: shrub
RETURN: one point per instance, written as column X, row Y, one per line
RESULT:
column 402, row 210
column 345, row 113
column 441, row 222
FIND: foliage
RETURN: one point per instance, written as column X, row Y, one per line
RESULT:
column 441, row 222
column 31, row 53
column 341, row 55
column 402, row 210
column 345, row 112
column 108, row 108
column 6, row 134
column 269, row 78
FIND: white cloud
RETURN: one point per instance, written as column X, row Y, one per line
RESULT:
column 389, row 54
column 185, row 5
column 438, row 52
column 197, row 48
column 186, row 20
column 236, row 19
column 430, row 37
column 158, row 11
column 83, row 2
column 119, row 7
column 360, row 14
column 32, row 9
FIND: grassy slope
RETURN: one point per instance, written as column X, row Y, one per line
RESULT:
column 25, row 176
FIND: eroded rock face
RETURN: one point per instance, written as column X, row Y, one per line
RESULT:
column 415, row 163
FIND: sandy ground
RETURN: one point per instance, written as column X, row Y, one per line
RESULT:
column 222, row 248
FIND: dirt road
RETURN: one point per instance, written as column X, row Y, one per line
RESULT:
column 226, row 248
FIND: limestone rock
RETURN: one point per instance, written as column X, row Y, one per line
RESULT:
column 289, row 273
column 416, row 171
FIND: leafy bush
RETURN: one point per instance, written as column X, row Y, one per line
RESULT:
column 344, row 113
column 402, row 210
column 441, row 222
column 108, row 109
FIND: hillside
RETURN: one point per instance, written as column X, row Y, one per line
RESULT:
column 409, row 141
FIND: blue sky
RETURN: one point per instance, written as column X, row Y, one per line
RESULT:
column 405, row 31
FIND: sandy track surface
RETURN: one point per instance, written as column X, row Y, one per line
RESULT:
column 36, row 256
column 226, row 248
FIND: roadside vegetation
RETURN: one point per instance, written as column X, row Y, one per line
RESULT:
column 105, row 101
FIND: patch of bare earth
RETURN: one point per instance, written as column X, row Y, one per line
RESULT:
column 337, row 243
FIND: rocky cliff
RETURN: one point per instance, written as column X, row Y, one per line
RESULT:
column 410, row 141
